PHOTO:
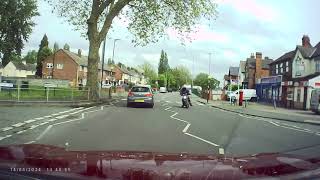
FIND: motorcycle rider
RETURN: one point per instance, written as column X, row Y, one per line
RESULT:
column 184, row 90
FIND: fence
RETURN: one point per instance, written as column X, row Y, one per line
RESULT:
column 44, row 94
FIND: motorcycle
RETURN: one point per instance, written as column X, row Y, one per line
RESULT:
column 185, row 101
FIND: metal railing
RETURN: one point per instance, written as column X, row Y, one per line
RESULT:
column 44, row 94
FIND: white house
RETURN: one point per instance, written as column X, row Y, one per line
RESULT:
column 18, row 69
column 305, row 74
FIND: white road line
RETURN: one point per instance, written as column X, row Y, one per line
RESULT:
column 221, row 151
column 21, row 131
column 200, row 104
column 51, row 120
column 34, row 126
column 167, row 101
column 312, row 121
column 30, row 142
column 30, row 121
column 43, row 123
column 67, row 121
column 18, row 124
column 123, row 99
column 61, row 117
column 39, row 118
column 47, row 116
column 1, row 138
column 7, row 128
column 271, row 122
column 201, row 139
column 44, row 132
column 186, row 128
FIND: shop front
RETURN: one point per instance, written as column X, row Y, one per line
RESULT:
column 269, row 89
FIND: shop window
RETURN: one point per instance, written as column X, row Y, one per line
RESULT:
column 318, row 66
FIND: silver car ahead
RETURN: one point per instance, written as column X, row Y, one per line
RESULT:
column 140, row 95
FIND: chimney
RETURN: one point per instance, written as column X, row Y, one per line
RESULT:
column 258, row 65
column 79, row 52
column 24, row 62
column 266, row 58
column 306, row 41
column 252, row 55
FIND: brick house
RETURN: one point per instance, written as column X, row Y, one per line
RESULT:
column 67, row 65
column 299, row 70
column 256, row 68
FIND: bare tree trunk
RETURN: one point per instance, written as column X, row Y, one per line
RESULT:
column 93, row 61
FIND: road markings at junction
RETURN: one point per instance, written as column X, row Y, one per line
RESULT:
column 7, row 128
column 30, row 121
column 30, row 142
column 185, row 129
column 18, row 124
column 44, row 132
column 20, row 132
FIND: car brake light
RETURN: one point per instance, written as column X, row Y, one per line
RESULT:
column 148, row 95
column 130, row 93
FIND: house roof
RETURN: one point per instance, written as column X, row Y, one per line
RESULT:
column 234, row 71
column 306, row 52
column 21, row 66
column 243, row 66
column 317, row 51
column 285, row 56
column 83, row 60
column 251, row 63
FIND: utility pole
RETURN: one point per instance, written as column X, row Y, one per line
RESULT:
column 102, row 64
column 114, row 44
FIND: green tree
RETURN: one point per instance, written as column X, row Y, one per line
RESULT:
column 166, row 62
column 149, row 21
column 149, row 72
column 16, row 25
column 161, row 67
column 203, row 80
column 66, row 47
column 31, row 57
column 43, row 44
column 182, row 76
column 55, row 47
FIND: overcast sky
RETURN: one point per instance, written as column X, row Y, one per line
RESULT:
column 272, row 27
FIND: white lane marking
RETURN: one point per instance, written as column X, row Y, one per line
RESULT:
column 200, row 104
column 51, row 120
column 271, row 122
column 41, row 124
column 61, row 117
column 7, row 128
column 39, row 118
column 44, row 132
column 18, row 124
column 21, row 131
column 206, row 141
column 221, row 151
column 30, row 142
column 67, row 121
column 168, row 101
column 186, row 128
column 30, row 121
column 123, row 99
column 1, row 138
column 7, row 136
column 34, row 126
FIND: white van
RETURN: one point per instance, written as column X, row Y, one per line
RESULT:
column 163, row 90
column 248, row 94
column 315, row 101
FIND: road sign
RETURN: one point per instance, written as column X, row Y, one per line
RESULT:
column 49, row 85
column 6, row 84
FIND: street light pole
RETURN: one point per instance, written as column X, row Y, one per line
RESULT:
column 102, row 63
column 114, row 44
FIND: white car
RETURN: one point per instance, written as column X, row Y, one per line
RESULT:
column 163, row 90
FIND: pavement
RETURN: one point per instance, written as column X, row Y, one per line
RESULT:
column 201, row 129
column 266, row 111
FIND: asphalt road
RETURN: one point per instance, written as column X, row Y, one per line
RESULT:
column 167, row 127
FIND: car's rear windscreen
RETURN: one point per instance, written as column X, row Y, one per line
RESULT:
column 140, row 89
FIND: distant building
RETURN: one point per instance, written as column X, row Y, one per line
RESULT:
column 73, row 67
column 18, row 69
column 256, row 68
column 231, row 77
column 242, row 72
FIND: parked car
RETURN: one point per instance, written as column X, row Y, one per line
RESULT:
column 163, row 90
column 141, row 94
column 169, row 89
column 315, row 101
column 248, row 94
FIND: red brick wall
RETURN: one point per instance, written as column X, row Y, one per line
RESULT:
column 69, row 71
column 251, row 79
column 118, row 73
column 258, row 66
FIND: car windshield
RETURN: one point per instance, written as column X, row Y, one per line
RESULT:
column 140, row 89
column 164, row 89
